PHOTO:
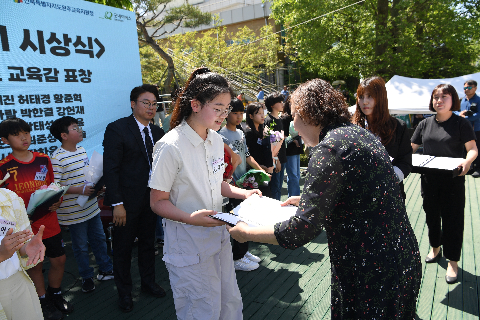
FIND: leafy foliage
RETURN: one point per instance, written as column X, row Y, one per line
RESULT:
column 153, row 66
column 414, row 38
column 242, row 51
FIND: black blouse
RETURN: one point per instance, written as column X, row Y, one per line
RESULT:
column 260, row 148
column 352, row 192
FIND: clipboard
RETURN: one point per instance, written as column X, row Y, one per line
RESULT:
column 41, row 209
column 431, row 164
column 98, row 186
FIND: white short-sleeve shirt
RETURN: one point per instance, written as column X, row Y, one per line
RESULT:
column 191, row 170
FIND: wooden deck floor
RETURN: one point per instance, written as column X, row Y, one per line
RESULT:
column 296, row 284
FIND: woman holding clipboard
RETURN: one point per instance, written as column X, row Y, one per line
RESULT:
column 445, row 135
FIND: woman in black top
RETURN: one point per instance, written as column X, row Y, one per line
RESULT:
column 445, row 135
column 352, row 193
column 372, row 114
column 258, row 146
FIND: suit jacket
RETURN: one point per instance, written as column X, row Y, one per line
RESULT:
column 126, row 165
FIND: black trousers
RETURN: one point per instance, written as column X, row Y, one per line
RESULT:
column 139, row 224
column 444, row 205
column 476, row 162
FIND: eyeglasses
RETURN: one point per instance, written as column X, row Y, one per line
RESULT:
column 78, row 129
column 148, row 105
column 469, row 88
column 225, row 112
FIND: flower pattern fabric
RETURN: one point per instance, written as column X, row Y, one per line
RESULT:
column 351, row 192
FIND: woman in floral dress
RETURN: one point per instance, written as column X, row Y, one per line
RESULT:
column 351, row 191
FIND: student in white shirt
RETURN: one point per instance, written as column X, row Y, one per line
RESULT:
column 187, row 186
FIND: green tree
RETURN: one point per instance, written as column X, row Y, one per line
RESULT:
column 153, row 66
column 157, row 18
column 236, row 54
column 414, row 38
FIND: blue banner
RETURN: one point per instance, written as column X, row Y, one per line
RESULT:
column 66, row 57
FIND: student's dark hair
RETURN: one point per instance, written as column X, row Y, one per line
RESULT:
column 286, row 107
column 137, row 91
column 319, row 104
column 237, row 105
column 273, row 98
column 13, row 127
column 382, row 124
column 287, row 110
column 61, row 125
column 471, row 82
column 252, row 109
column 446, row 89
column 202, row 85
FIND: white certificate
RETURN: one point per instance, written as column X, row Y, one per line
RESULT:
column 258, row 211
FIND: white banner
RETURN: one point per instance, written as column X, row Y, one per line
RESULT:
column 66, row 57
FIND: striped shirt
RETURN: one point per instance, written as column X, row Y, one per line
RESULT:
column 68, row 171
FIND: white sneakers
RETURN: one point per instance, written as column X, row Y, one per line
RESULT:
column 252, row 257
column 248, row 263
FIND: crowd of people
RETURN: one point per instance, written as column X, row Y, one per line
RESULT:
column 168, row 183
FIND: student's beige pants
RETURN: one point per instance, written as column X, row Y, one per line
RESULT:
column 19, row 299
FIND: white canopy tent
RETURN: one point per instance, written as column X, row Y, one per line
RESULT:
column 412, row 96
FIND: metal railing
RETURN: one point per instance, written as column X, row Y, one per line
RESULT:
column 241, row 82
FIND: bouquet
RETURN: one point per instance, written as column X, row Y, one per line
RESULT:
column 92, row 172
column 276, row 137
column 252, row 179
column 44, row 198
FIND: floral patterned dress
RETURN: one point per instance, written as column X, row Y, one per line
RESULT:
column 352, row 192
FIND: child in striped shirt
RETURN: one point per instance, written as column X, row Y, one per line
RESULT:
column 84, row 222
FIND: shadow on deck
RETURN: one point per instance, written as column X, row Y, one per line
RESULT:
column 296, row 284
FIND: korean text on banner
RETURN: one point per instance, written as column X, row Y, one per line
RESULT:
column 66, row 58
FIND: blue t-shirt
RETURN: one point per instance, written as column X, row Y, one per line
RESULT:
column 474, row 119
column 260, row 95
column 236, row 140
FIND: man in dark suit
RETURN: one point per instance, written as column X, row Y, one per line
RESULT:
column 128, row 147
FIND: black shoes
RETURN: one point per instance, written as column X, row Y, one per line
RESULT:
column 61, row 304
column 48, row 309
column 88, row 285
column 435, row 259
column 450, row 280
column 126, row 303
column 154, row 289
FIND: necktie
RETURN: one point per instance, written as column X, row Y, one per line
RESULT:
column 148, row 144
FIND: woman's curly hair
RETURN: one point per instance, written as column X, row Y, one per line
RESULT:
column 202, row 85
column 318, row 103
column 383, row 124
